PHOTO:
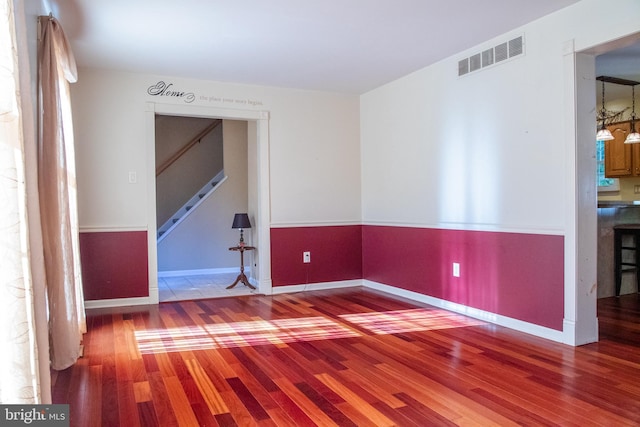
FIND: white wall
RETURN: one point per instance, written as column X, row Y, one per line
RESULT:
column 314, row 147
column 508, row 148
column 487, row 150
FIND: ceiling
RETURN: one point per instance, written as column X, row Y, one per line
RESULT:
column 622, row 63
column 331, row 45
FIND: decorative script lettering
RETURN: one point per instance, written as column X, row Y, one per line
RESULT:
column 165, row 89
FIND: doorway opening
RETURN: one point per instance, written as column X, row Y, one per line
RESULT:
column 248, row 190
column 581, row 300
column 201, row 182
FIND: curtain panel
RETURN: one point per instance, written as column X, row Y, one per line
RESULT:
column 19, row 360
column 57, row 191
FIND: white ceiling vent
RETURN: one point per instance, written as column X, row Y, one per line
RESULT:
column 492, row 56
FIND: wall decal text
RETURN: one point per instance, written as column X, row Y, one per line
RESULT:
column 228, row 101
column 165, row 89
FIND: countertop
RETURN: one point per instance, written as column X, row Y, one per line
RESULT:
column 618, row 203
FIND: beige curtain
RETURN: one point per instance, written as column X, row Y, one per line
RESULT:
column 19, row 362
column 57, row 189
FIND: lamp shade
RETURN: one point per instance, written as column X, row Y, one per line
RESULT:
column 604, row 135
column 633, row 138
column 241, row 220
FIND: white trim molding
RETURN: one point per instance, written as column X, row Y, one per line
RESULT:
column 118, row 302
column 111, row 228
column 518, row 325
column 459, row 226
column 316, row 286
column 313, row 224
column 260, row 122
column 199, row 272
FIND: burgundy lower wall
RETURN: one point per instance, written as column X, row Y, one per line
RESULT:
column 516, row 275
column 520, row 276
column 114, row 264
column 336, row 254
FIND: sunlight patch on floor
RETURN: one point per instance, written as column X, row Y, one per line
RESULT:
column 413, row 320
column 283, row 331
column 241, row 334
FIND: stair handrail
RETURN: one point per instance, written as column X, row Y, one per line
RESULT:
column 187, row 147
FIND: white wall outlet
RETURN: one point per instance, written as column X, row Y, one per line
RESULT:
column 133, row 177
column 306, row 257
column 456, row 269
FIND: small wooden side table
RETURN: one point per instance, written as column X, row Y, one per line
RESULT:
column 241, row 277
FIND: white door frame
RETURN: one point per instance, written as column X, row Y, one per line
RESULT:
column 581, row 238
column 259, row 208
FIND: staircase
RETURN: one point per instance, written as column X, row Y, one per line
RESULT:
column 207, row 190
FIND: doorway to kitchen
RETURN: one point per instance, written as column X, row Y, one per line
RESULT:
column 589, row 263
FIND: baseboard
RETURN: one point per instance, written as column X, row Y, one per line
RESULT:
column 518, row 325
column 199, row 272
column 515, row 324
column 117, row 302
column 316, row 286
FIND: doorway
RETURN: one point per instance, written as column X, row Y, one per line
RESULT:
column 201, row 182
column 582, row 240
column 257, row 182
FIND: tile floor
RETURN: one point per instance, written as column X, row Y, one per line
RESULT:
column 200, row 286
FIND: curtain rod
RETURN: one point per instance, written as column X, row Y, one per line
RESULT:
column 49, row 17
column 40, row 18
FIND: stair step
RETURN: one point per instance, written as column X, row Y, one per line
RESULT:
column 196, row 199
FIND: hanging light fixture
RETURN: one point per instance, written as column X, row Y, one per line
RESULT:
column 603, row 133
column 633, row 137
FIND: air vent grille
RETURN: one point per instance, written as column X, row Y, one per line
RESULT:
column 463, row 66
column 502, row 52
column 474, row 62
column 487, row 57
column 515, row 47
column 492, row 56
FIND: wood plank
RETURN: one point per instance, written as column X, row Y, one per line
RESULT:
column 356, row 401
column 214, row 401
column 179, row 402
column 161, row 401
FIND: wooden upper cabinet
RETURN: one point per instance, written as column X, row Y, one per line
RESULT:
column 635, row 159
column 621, row 159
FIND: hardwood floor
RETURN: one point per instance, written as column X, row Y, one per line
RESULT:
column 345, row 357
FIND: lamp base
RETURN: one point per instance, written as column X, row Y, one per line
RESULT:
column 241, row 278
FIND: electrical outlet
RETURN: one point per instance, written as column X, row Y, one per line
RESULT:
column 133, row 177
column 636, row 189
column 306, row 257
column 456, row 269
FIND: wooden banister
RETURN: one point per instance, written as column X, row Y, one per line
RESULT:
column 187, row 147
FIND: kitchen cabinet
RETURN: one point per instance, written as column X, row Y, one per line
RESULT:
column 621, row 159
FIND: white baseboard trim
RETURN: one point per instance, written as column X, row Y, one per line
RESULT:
column 508, row 322
column 198, row 272
column 574, row 338
column 518, row 325
column 316, row 286
column 117, row 302
column 111, row 228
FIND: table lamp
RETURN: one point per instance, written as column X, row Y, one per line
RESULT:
column 241, row 221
